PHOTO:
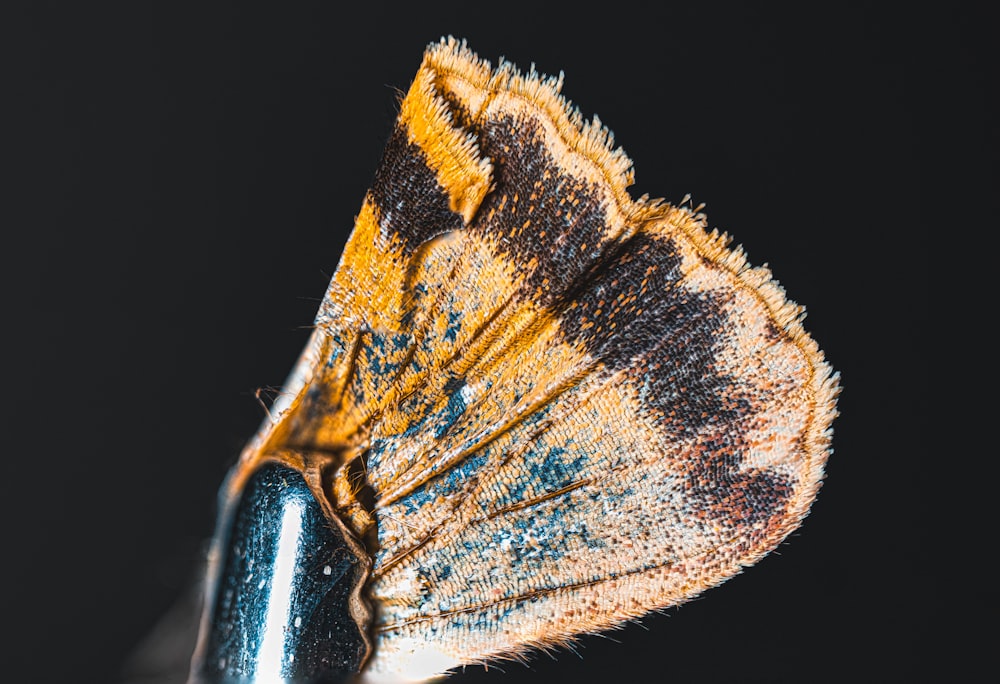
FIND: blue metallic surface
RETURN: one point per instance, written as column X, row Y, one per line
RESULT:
column 281, row 593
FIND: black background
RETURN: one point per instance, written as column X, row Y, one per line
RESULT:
column 185, row 178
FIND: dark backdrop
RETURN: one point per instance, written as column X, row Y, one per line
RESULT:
column 186, row 178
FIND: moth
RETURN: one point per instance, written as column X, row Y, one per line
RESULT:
column 531, row 407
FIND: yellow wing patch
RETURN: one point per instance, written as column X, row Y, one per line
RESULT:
column 566, row 408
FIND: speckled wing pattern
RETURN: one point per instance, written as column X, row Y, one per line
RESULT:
column 570, row 407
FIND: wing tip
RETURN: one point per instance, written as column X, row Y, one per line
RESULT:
column 588, row 137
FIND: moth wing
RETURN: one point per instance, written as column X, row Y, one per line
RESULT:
column 573, row 407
